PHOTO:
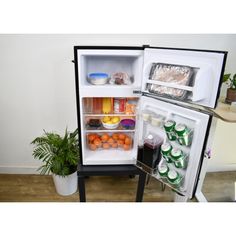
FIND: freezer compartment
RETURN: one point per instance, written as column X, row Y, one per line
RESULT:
column 123, row 67
column 184, row 75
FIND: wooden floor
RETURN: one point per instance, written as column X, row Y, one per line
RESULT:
column 218, row 187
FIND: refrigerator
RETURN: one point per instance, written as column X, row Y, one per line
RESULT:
column 146, row 106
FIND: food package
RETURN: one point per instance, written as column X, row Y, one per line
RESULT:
column 175, row 74
column 120, row 78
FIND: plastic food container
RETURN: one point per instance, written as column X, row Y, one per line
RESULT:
column 165, row 151
column 179, row 158
column 146, row 115
column 169, row 127
column 184, row 134
column 163, row 170
column 98, row 78
column 127, row 123
column 156, row 120
column 174, row 74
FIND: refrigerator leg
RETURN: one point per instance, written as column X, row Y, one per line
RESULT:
column 179, row 198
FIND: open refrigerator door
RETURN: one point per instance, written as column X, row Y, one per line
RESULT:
column 171, row 143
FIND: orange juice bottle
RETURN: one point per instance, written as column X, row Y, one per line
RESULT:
column 107, row 104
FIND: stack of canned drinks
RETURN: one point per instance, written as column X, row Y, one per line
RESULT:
column 178, row 132
column 174, row 155
column 173, row 177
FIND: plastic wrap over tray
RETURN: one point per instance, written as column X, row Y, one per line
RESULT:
column 174, row 74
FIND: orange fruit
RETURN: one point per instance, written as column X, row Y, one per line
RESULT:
column 120, row 143
column 105, row 137
column 126, row 147
column 106, row 146
column 114, row 145
column 91, row 137
column 122, row 136
column 97, row 142
column 115, row 136
column 110, row 140
column 92, row 147
column 128, row 140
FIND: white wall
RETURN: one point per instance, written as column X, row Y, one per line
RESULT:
column 37, row 89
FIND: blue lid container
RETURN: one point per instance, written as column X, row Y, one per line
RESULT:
column 98, row 75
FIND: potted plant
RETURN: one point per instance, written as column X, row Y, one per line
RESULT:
column 60, row 157
column 231, row 91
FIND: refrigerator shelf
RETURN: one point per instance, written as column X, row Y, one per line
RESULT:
column 154, row 174
column 110, row 114
column 109, row 130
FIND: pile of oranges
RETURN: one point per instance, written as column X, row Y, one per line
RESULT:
column 106, row 141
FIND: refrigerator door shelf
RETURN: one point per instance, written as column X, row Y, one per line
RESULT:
column 208, row 67
column 196, row 121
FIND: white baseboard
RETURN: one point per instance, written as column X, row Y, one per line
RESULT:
column 222, row 167
column 19, row 170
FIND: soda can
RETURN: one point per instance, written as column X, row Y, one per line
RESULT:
column 169, row 127
column 184, row 134
column 174, row 178
column 163, row 170
column 178, row 157
column 165, row 151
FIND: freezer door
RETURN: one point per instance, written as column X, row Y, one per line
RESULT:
column 167, row 151
column 189, row 76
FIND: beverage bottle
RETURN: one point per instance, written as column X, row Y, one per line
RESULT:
column 151, row 150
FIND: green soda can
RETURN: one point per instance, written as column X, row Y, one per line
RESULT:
column 165, row 151
column 184, row 134
column 169, row 127
column 174, row 178
column 163, row 170
column 178, row 158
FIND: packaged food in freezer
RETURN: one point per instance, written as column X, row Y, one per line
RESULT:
column 174, row 74
column 120, row 78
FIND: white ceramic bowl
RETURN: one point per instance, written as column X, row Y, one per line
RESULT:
column 110, row 126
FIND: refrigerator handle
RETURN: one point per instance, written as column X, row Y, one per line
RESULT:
column 73, row 61
column 207, row 154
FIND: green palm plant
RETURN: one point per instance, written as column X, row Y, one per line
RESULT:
column 60, row 155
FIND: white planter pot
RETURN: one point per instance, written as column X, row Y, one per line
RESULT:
column 66, row 185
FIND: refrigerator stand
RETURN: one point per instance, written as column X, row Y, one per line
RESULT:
column 128, row 170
